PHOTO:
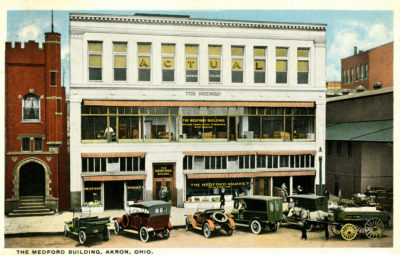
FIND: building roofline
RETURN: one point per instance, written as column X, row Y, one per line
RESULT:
column 366, row 51
column 361, row 94
column 168, row 19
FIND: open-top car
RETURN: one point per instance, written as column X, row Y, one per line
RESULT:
column 83, row 225
column 258, row 213
column 211, row 220
column 147, row 219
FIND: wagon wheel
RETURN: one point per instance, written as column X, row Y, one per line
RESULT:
column 188, row 225
column 206, row 230
column 144, row 235
column 65, row 230
column 374, row 228
column 117, row 228
column 255, row 227
column 335, row 229
column 106, row 234
column 82, row 237
column 348, row 231
column 166, row 233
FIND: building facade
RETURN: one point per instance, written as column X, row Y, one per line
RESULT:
column 359, row 142
column 368, row 68
column 194, row 106
column 36, row 176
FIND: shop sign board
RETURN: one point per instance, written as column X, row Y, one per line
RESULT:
column 202, row 122
column 163, row 171
column 219, row 185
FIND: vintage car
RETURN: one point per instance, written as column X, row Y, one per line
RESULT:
column 258, row 213
column 316, row 207
column 84, row 226
column 148, row 218
column 210, row 220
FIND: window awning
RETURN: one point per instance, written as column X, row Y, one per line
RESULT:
column 242, row 153
column 114, row 177
column 113, row 154
column 371, row 131
column 196, row 104
column 248, row 174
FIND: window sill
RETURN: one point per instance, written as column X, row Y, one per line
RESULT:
column 94, row 141
column 31, row 122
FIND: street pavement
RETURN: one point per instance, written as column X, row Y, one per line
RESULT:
column 55, row 223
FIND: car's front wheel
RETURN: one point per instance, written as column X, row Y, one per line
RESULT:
column 82, row 237
column 206, row 230
column 106, row 234
column 229, row 231
column 144, row 234
column 166, row 233
column 255, row 227
column 188, row 225
column 117, row 228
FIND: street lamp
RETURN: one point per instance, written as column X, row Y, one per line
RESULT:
column 320, row 171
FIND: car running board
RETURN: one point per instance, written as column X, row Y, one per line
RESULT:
column 198, row 228
column 242, row 225
column 131, row 231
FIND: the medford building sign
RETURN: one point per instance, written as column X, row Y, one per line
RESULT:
column 163, row 102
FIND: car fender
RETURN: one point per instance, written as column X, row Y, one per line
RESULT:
column 212, row 225
column 231, row 223
column 123, row 224
column 192, row 220
column 256, row 218
column 169, row 225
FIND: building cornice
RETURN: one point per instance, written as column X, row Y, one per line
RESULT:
column 193, row 22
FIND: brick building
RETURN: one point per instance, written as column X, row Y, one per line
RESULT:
column 36, row 176
column 366, row 68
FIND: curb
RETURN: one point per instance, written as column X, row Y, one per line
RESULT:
column 28, row 234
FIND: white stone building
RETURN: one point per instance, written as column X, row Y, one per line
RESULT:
column 195, row 106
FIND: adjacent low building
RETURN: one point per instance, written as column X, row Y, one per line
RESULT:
column 193, row 106
column 359, row 138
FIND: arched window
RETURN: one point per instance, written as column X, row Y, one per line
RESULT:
column 31, row 107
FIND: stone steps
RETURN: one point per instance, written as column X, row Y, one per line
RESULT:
column 31, row 206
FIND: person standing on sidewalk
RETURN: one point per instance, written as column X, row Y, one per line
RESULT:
column 222, row 198
column 304, row 226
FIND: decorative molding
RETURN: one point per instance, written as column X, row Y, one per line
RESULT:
column 19, row 96
column 53, row 98
column 14, row 159
column 31, row 90
column 29, row 153
column 193, row 22
column 48, row 158
column 58, row 113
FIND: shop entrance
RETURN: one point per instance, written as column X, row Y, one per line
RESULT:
column 31, row 180
column 113, row 195
column 164, row 182
column 262, row 186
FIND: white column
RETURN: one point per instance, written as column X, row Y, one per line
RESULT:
column 271, row 180
column 107, row 62
column 291, row 185
column 226, row 59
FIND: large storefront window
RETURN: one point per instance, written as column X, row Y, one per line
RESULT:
column 164, row 124
column 134, row 189
column 92, row 193
column 112, row 164
column 212, row 187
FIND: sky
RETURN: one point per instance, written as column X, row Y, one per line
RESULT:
column 346, row 29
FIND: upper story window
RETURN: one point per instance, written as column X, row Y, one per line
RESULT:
column 259, row 65
column 53, row 76
column 366, row 71
column 119, row 52
column 95, row 60
column 352, row 75
column 281, row 65
column 361, row 72
column 237, row 53
column 302, row 65
column 357, row 73
column 38, row 143
column 348, row 76
column 31, row 107
column 191, row 66
column 214, row 63
column 26, row 144
column 144, row 61
column 168, row 62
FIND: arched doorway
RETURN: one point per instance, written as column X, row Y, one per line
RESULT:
column 32, row 180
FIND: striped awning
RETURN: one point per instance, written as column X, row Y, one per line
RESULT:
column 128, row 154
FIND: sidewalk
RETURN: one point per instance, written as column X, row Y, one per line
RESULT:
column 55, row 223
